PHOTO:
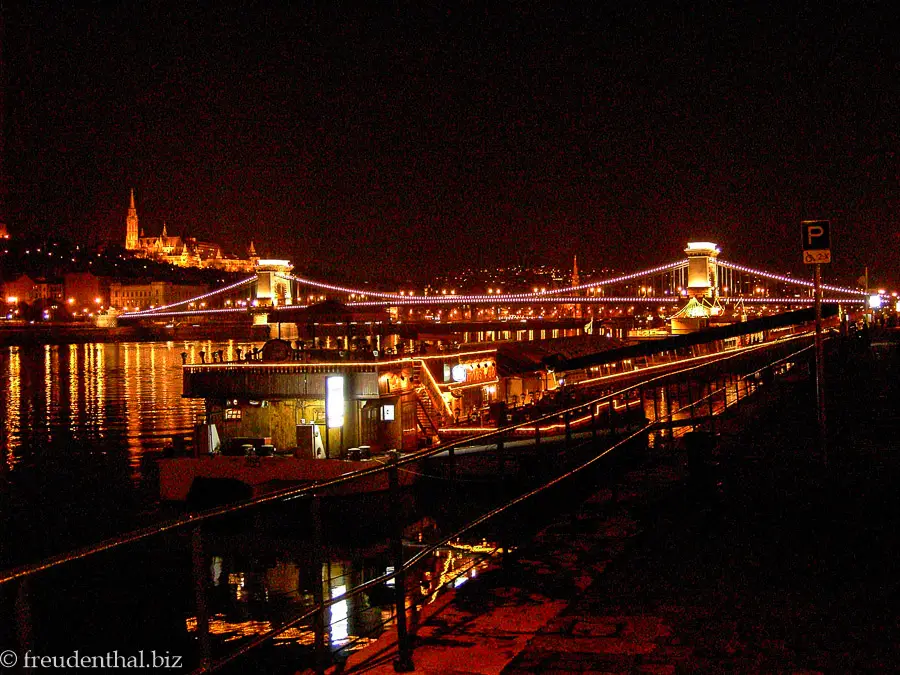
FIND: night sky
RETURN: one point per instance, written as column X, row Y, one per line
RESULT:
column 412, row 137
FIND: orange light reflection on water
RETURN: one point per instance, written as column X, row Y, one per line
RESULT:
column 109, row 398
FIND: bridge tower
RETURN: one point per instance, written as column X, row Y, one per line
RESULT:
column 272, row 289
column 702, row 288
column 703, row 273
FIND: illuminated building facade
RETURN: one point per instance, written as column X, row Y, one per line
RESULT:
column 150, row 294
column 182, row 251
column 28, row 290
column 85, row 291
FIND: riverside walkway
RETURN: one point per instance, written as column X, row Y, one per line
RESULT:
column 788, row 566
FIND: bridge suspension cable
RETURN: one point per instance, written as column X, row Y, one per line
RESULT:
column 194, row 312
column 500, row 297
column 204, row 296
column 786, row 279
column 787, row 301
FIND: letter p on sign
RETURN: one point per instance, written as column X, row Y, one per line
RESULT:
column 813, row 232
column 816, row 241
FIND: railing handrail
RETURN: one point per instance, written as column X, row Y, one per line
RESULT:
column 291, row 493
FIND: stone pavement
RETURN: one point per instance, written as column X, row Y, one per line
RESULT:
column 788, row 566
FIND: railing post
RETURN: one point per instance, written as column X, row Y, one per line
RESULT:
column 501, row 453
column 691, row 402
column 656, row 404
column 567, row 418
column 451, row 461
column 537, row 435
column 504, row 550
column 403, row 663
column 200, row 596
column 318, row 560
column 670, row 409
column 593, row 422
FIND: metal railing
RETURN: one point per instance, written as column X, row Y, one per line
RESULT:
column 568, row 429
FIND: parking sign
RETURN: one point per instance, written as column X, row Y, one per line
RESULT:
column 816, row 241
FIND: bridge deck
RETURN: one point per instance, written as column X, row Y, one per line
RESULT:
column 791, row 567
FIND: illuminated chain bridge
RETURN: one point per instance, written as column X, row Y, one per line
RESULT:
column 697, row 285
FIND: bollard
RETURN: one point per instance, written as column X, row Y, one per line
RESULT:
column 200, row 596
column 403, row 663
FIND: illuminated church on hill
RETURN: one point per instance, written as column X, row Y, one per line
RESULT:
column 182, row 251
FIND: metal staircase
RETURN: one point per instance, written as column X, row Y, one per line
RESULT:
column 429, row 415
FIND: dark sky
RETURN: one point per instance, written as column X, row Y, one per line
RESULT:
column 416, row 136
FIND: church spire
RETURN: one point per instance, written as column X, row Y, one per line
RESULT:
column 131, row 226
column 575, row 278
column 164, row 229
column 252, row 250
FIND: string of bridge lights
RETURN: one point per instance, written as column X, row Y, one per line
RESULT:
column 554, row 294
column 224, row 289
column 790, row 301
column 494, row 300
column 193, row 312
column 671, row 299
column 500, row 297
column 790, row 280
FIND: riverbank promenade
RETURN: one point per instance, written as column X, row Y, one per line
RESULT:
column 790, row 564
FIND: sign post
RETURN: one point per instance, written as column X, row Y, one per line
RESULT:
column 817, row 251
